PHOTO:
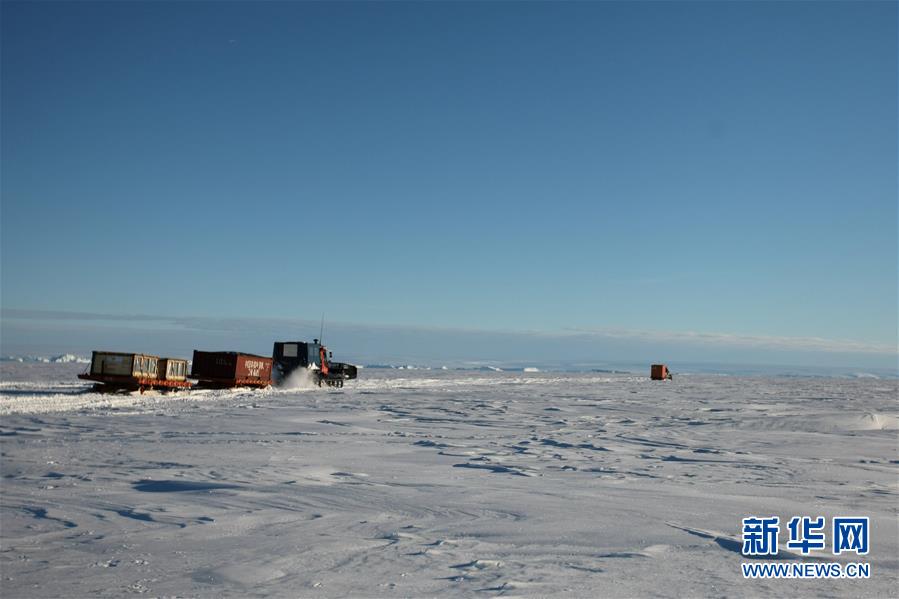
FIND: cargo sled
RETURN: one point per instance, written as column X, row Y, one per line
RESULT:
column 125, row 371
column 225, row 369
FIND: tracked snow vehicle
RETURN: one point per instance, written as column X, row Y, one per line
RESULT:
column 290, row 356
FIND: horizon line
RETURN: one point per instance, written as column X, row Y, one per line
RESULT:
column 777, row 342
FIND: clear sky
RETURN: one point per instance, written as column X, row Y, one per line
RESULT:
column 726, row 168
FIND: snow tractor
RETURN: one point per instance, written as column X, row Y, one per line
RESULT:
column 290, row 356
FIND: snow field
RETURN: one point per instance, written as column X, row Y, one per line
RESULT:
column 419, row 483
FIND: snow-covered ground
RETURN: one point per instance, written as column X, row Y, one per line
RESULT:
column 422, row 483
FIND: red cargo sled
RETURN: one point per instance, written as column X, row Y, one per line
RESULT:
column 224, row 369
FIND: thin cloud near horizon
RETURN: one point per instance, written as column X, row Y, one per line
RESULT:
column 208, row 323
column 754, row 341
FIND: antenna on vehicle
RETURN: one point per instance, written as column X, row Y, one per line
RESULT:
column 321, row 331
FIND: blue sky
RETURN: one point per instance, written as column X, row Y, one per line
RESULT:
column 676, row 168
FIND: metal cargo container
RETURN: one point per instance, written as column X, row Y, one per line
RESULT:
column 173, row 369
column 231, row 369
column 659, row 372
column 109, row 363
column 140, row 366
column 116, row 370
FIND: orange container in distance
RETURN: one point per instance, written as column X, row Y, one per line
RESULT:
column 659, row 372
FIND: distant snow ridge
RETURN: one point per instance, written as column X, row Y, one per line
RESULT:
column 27, row 359
column 62, row 359
column 395, row 367
column 69, row 359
